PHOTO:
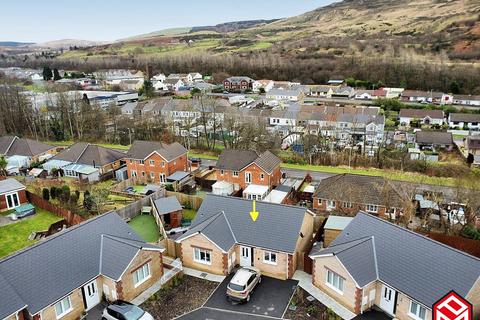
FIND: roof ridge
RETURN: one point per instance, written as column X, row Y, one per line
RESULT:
column 123, row 240
column 55, row 236
column 230, row 227
column 418, row 235
column 260, row 202
column 375, row 257
column 83, row 151
column 358, row 241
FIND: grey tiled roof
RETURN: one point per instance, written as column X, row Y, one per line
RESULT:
column 89, row 154
column 420, row 267
column 421, row 113
column 464, row 117
column 235, row 159
column 14, row 146
column 10, row 185
column 49, row 270
column 268, row 161
column 434, row 137
column 226, row 221
column 359, row 189
column 167, row 205
column 11, row 301
column 141, row 149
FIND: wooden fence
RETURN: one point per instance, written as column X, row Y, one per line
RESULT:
column 186, row 200
column 134, row 209
column 71, row 218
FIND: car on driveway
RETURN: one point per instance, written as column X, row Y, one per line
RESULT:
column 240, row 288
column 122, row 310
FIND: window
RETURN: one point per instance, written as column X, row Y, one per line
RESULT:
column 235, row 173
column 201, row 255
column 63, row 307
column 262, row 176
column 142, row 162
column 222, row 172
column 417, row 311
column 141, row 275
column 331, row 204
column 152, row 175
column 163, row 178
column 163, row 164
column 134, row 173
column 335, row 282
column 143, row 173
column 319, row 201
column 152, row 163
column 248, row 177
column 347, row 205
column 270, row 257
column 372, row 208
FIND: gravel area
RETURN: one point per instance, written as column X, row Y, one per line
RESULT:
column 306, row 309
column 186, row 295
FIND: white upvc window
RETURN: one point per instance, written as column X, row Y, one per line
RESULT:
column 134, row 173
column 335, row 281
column 262, row 176
column 248, row 177
column 372, row 208
column 152, row 175
column 141, row 275
column 346, row 204
column 202, row 256
column 417, row 311
column 222, row 172
column 152, row 163
column 270, row 257
column 235, row 173
column 331, row 204
column 163, row 164
column 142, row 162
column 63, row 307
column 163, row 178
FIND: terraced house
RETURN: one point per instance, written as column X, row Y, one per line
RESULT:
column 349, row 193
column 223, row 236
column 376, row 264
column 246, row 169
column 155, row 161
column 69, row 273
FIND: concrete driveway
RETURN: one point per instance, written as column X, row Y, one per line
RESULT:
column 270, row 298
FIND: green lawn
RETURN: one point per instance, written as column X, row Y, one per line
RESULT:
column 105, row 145
column 146, row 227
column 189, row 214
column 15, row 236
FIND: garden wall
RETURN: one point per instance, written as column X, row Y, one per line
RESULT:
column 71, row 218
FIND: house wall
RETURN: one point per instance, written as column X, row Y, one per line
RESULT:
column 270, row 180
column 403, row 307
column 474, row 298
column 109, row 288
column 278, row 271
column 319, row 276
column 322, row 208
column 128, row 289
column 200, row 241
column 178, row 164
column 76, row 298
column 22, row 197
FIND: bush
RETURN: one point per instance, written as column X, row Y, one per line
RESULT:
column 64, row 193
column 169, row 187
column 46, row 194
column 53, row 192
column 73, row 199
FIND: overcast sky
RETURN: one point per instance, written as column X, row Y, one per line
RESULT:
column 106, row 20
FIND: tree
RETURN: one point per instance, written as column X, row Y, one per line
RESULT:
column 455, row 87
column 53, row 192
column 147, row 89
column 3, row 166
column 56, row 75
column 46, row 194
column 47, row 73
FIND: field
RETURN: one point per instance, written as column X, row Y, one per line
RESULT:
column 146, row 227
column 15, row 236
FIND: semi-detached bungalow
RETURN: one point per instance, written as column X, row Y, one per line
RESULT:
column 69, row 273
column 376, row 264
column 223, row 235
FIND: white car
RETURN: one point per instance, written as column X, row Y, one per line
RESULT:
column 122, row 310
column 243, row 283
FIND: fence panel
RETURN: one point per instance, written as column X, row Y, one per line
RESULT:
column 194, row 201
column 132, row 210
column 71, row 218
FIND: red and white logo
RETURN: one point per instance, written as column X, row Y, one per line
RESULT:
column 452, row 307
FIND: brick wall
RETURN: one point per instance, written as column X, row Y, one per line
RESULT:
column 149, row 172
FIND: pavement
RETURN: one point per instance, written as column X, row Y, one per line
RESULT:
column 203, row 275
column 270, row 298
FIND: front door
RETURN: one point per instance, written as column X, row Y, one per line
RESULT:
column 92, row 298
column 245, row 256
column 387, row 300
column 12, row 200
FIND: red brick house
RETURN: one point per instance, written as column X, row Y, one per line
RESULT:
column 349, row 193
column 246, row 167
column 154, row 161
column 238, row 83
column 12, row 194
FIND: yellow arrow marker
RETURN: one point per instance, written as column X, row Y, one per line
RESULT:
column 254, row 213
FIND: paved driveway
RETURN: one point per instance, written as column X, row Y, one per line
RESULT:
column 270, row 298
column 215, row 314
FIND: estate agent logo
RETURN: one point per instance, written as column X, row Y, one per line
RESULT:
column 452, row 307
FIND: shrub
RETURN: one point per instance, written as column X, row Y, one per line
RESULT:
column 73, row 199
column 46, row 194
column 53, row 192
column 64, row 193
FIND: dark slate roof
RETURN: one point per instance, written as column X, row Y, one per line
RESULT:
column 235, row 159
column 421, row 113
column 167, row 205
column 11, row 301
column 422, row 268
column 434, row 137
column 359, row 189
column 10, row 184
column 268, row 161
column 141, row 149
column 226, row 221
column 89, row 154
column 49, row 270
column 464, row 117
column 14, row 146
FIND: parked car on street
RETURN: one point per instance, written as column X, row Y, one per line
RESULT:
column 242, row 284
column 122, row 310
